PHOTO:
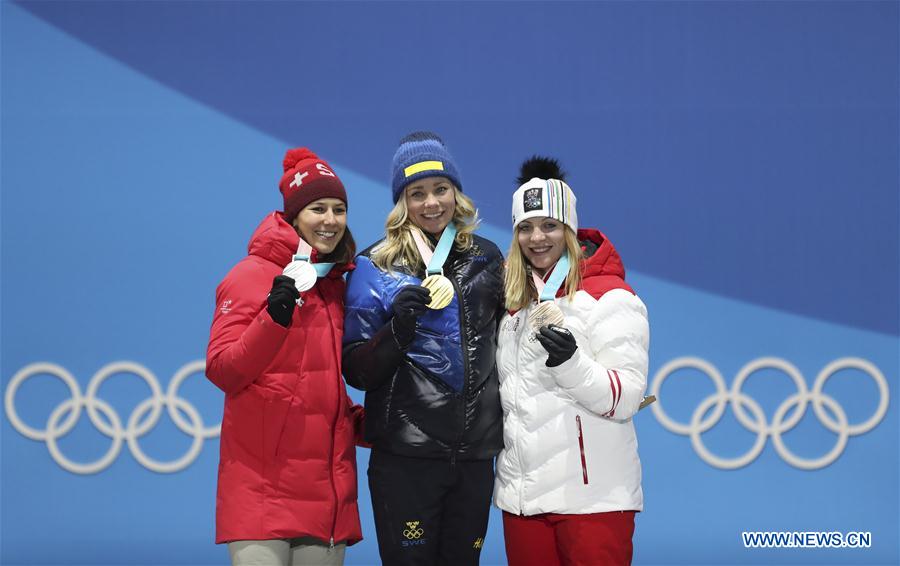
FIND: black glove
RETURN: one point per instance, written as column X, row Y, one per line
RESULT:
column 408, row 306
column 282, row 299
column 558, row 342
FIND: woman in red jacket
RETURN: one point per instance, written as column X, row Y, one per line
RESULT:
column 287, row 462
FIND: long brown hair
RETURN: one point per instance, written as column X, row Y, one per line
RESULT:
column 344, row 252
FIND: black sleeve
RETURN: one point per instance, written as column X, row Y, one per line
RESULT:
column 368, row 364
column 501, row 306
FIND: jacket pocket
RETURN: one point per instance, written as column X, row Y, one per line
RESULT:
column 279, row 391
column 584, row 473
column 275, row 419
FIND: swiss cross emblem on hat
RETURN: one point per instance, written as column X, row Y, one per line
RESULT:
column 298, row 178
column 320, row 168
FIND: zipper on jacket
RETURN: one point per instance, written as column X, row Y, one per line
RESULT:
column 519, row 416
column 337, row 412
column 465, row 392
column 581, row 448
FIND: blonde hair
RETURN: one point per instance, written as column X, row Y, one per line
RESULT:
column 399, row 248
column 518, row 284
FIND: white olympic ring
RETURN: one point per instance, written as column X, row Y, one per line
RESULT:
column 757, row 423
column 58, row 426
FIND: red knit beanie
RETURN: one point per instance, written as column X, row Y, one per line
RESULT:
column 307, row 178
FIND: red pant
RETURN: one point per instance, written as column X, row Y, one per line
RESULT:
column 550, row 539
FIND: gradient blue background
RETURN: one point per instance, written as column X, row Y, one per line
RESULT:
column 743, row 157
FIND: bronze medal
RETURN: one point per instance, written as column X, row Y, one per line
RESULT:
column 546, row 313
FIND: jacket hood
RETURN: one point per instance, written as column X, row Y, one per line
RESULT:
column 605, row 260
column 275, row 240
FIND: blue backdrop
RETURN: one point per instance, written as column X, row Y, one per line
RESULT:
column 743, row 157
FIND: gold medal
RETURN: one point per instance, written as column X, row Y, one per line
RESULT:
column 546, row 313
column 441, row 290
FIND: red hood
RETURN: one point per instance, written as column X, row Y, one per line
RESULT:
column 605, row 261
column 276, row 240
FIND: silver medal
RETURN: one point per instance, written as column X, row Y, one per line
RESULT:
column 303, row 274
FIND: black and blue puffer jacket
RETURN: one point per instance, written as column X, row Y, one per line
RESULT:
column 439, row 398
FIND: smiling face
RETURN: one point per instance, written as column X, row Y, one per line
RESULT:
column 431, row 203
column 322, row 224
column 542, row 241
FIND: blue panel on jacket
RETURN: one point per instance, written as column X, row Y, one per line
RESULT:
column 437, row 345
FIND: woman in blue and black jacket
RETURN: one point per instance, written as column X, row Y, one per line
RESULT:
column 425, row 356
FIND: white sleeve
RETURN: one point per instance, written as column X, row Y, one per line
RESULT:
column 609, row 378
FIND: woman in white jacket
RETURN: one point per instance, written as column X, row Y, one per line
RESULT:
column 572, row 357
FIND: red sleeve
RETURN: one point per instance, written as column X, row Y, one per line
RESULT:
column 243, row 339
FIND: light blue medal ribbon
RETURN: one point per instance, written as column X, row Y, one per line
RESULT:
column 548, row 293
column 546, row 312
column 441, row 251
column 322, row 269
column 439, row 287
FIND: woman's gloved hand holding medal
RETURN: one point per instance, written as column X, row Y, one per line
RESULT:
column 304, row 273
column 435, row 292
column 547, row 319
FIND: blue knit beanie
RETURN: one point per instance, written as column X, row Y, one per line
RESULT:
column 420, row 155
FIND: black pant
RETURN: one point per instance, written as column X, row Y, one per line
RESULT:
column 429, row 512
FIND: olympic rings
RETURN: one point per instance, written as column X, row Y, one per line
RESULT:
column 756, row 421
column 65, row 416
column 413, row 533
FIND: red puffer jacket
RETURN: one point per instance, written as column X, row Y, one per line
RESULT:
column 287, row 461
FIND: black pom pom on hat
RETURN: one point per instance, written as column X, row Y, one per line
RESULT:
column 540, row 167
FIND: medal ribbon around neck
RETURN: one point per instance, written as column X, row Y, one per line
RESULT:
column 304, row 273
column 547, row 291
column 547, row 312
column 440, row 287
column 304, row 253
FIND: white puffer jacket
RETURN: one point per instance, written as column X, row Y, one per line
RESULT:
column 570, row 445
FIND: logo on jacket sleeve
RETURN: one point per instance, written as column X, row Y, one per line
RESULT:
column 413, row 534
column 225, row 308
column 479, row 542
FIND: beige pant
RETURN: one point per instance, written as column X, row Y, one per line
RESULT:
column 305, row 551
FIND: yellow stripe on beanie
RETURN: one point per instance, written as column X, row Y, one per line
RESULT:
column 423, row 166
